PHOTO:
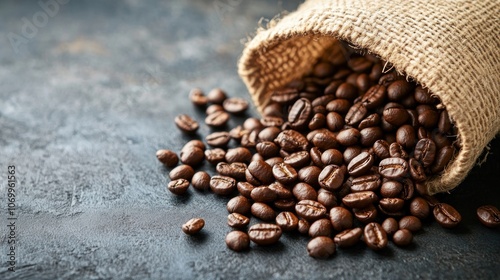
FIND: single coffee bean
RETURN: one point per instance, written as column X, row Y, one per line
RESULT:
column 327, row 198
column 315, row 154
column 285, row 96
column 287, row 221
column 325, row 140
column 310, row 210
column 408, row 189
column 376, row 72
column 216, row 96
column 235, row 170
column 267, row 149
column 393, row 168
column 406, row 137
column 245, row 189
column 348, row 237
column 427, row 116
column 446, row 215
column 272, row 161
column 309, row 175
column 237, row 220
column 215, row 156
column 323, row 69
column 198, row 98
column 443, row 157
column 489, row 216
column 410, row 223
column 391, row 189
column 365, row 215
column 263, row 211
column 237, row 241
column 280, row 190
column 239, row 154
column 268, row 121
column 186, row 124
column 235, row 105
column 213, row 108
column 167, row 157
column 441, row 140
column 181, row 172
column 346, row 91
column 304, row 191
column 291, row 141
column 249, row 140
column 356, row 114
column 201, row 181
column 444, row 123
column 363, row 82
column 217, row 119
column 238, row 204
column 374, row 97
column 348, row 137
column 375, row 236
column 388, row 78
column 423, row 96
column 370, row 121
column 350, row 153
column 332, row 156
column 361, row 164
column 193, row 226
column 222, row 185
column 360, row 199
column 339, row 107
column 263, row 194
column 194, row 144
column 317, row 121
column 264, row 234
column 178, row 186
column 402, row 237
column 370, row 135
column 298, row 159
column 300, row 113
column 366, row 183
column 303, row 227
column 390, row 226
column 321, row 247
column 284, row 173
column 269, row 134
column 321, row 227
column 398, row 90
column 261, row 171
column 193, row 156
column 341, row 218
column 218, row 139
column 391, row 204
column 397, row 151
column 284, row 204
column 420, row 208
column 425, row 151
column 417, row 171
column 332, row 177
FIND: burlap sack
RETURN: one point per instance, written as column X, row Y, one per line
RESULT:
column 450, row 47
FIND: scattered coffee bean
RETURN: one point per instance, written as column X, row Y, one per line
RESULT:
column 341, row 218
column 420, row 208
column 181, row 172
column 238, row 204
column 215, row 156
column 410, row 223
column 264, row 234
column 216, row 96
column 375, row 236
column 186, row 124
column 402, row 237
column 287, row 221
column 237, row 241
column 348, row 237
column 193, row 156
column 393, row 168
column 178, row 186
column 489, row 216
column 321, row 227
column 390, row 226
column 360, row 164
column 218, row 139
column 237, row 220
column 446, row 215
column 193, row 226
column 222, row 185
column 167, row 157
column 201, row 181
column 321, row 247
column 235, row 105
column 263, row 211
column 310, row 210
column 263, row 194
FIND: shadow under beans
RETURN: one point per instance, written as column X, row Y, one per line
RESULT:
column 276, row 248
column 197, row 239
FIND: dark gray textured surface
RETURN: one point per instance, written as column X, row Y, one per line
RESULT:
column 86, row 102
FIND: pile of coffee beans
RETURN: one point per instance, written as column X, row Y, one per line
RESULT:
column 341, row 155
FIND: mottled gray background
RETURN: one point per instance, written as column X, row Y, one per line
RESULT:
column 87, row 99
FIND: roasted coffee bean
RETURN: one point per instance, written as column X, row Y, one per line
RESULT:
column 489, row 216
column 327, row 198
column 427, row 116
column 397, row 151
column 323, row 69
column 263, row 194
column 334, row 121
column 261, row 171
column 304, row 191
column 181, row 172
column 410, row 223
column 395, row 114
column 218, row 139
column 365, row 215
column 360, row 199
column 338, row 106
column 268, row 121
column 398, row 90
column 417, row 172
column 315, row 155
column 346, row 91
column 391, row 189
column 309, row 175
column 325, row 140
column 269, row 134
column 194, row 144
column 324, row 99
column 402, row 237
column 321, row 247
column 193, row 226
column 217, row 119
column 376, row 72
column 298, row 159
column 193, row 156
column 245, row 189
column 167, row 157
column 350, row 153
column 237, row 220
column 267, row 149
column 320, row 110
column 303, row 227
column 250, row 140
column 285, row 96
column 390, row 226
column 239, row 154
column 287, row 221
column 421, row 189
column 300, row 113
column 321, row 227
column 264, row 234
column 370, row 135
column 363, row 83
column 263, row 211
column 235, row 170
column 310, row 210
column 197, row 97
column 272, row 161
column 375, row 236
column 443, row 157
column 444, row 123
column 332, row 177
column 238, row 204
column 370, row 121
column 446, row 215
column 423, row 133
column 201, row 181
column 235, row 105
column 413, row 117
column 213, row 108
column 186, row 124
column 360, row 64
column 388, row 78
column 423, row 96
column 284, row 204
column 356, row 114
column 348, row 237
column 374, row 97
column 348, row 137
column 215, row 156
column 284, row 173
column 281, row 191
column 216, row 96
column 425, row 151
column 406, row 137
column 222, row 185
column 341, row 218
column 393, row 168
column 291, row 141
column 317, row 121
column 366, row 183
column 332, row 156
column 178, row 186
column 361, row 164
column 237, row 241
column 392, row 204
column 251, row 124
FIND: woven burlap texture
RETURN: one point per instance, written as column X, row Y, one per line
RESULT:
column 450, row 47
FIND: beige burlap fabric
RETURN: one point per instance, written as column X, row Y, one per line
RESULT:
column 450, row 47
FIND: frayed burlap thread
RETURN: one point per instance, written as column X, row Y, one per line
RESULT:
column 450, row 47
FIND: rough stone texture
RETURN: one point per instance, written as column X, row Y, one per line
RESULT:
column 89, row 99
